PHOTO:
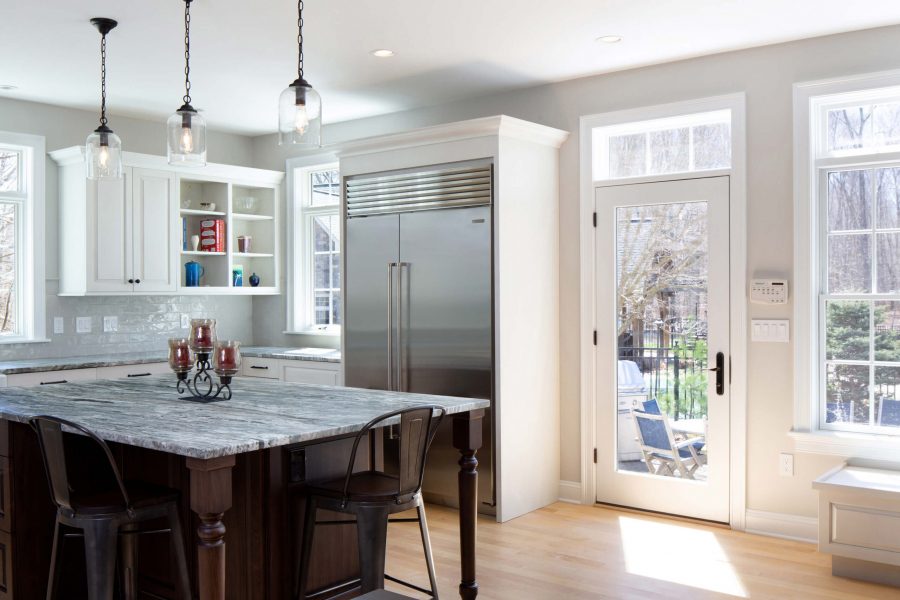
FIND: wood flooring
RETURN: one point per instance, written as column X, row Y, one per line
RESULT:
column 589, row 552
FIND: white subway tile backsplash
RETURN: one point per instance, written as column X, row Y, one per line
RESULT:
column 144, row 323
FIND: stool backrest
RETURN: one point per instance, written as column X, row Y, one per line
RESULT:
column 418, row 425
column 53, row 449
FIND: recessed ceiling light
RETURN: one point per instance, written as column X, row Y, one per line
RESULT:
column 382, row 53
column 7, row 88
column 609, row 39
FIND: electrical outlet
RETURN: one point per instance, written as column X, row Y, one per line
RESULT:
column 185, row 321
column 82, row 324
column 110, row 324
column 59, row 325
column 786, row 464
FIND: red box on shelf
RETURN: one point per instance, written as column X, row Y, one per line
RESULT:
column 212, row 235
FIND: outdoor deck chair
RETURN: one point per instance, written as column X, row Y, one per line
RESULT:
column 889, row 412
column 652, row 406
column 840, row 412
column 662, row 454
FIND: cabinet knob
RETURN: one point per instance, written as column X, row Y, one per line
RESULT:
column 137, row 280
column 131, row 281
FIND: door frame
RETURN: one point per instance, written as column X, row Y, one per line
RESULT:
column 737, row 285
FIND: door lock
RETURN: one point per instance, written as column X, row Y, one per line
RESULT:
column 719, row 370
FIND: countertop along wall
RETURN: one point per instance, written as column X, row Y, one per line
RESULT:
column 766, row 75
column 145, row 322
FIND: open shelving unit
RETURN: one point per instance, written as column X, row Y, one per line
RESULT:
column 249, row 209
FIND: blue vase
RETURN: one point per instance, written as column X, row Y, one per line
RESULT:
column 254, row 280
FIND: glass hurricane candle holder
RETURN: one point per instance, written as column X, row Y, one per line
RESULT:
column 227, row 358
column 181, row 359
column 203, row 334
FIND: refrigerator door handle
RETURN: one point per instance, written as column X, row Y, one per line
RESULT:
column 390, row 328
column 401, row 362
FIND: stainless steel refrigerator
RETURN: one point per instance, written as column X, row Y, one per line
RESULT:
column 418, row 288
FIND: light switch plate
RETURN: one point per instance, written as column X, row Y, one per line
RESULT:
column 770, row 330
column 82, row 324
column 185, row 321
column 110, row 324
column 59, row 325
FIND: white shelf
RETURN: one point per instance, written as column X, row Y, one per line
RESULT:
column 201, row 253
column 251, row 255
column 248, row 217
column 202, row 213
column 235, row 291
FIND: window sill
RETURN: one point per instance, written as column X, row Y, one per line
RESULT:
column 847, row 445
column 319, row 332
column 23, row 341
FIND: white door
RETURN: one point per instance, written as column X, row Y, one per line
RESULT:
column 662, row 323
column 109, row 240
column 154, row 230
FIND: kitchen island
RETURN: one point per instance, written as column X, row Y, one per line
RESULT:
column 252, row 452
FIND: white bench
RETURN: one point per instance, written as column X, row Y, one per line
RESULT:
column 859, row 522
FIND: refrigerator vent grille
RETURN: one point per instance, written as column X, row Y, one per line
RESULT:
column 423, row 190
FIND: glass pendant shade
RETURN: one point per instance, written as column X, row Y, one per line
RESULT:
column 103, row 154
column 186, row 138
column 300, row 116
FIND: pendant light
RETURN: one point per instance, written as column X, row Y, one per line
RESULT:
column 299, row 106
column 103, row 148
column 186, row 128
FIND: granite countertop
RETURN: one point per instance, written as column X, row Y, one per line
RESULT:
column 313, row 354
column 148, row 413
column 37, row 365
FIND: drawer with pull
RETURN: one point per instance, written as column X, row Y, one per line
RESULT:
column 50, row 377
column 132, row 371
column 267, row 368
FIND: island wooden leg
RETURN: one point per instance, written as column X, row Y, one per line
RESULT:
column 467, row 439
column 210, row 498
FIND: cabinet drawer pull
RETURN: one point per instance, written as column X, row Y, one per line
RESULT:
column 54, row 382
column 258, row 367
column 140, row 374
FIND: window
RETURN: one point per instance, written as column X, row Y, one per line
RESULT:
column 21, row 238
column 850, row 199
column 316, row 306
column 682, row 144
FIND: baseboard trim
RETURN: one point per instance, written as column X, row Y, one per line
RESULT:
column 790, row 527
column 570, row 491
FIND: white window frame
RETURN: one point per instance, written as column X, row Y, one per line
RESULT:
column 30, row 242
column 811, row 100
column 300, row 302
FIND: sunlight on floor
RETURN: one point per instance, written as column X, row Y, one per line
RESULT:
column 681, row 555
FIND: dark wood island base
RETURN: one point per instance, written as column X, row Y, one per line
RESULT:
column 252, row 501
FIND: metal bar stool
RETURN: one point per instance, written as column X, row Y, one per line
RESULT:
column 104, row 517
column 372, row 496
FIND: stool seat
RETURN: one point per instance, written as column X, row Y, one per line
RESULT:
column 109, row 502
column 383, row 595
column 366, row 486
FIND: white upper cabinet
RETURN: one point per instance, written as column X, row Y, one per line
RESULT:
column 153, row 229
column 133, row 236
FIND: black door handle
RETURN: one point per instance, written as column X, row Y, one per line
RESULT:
column 719, row 370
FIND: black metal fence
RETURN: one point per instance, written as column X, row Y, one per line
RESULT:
column 676, row 376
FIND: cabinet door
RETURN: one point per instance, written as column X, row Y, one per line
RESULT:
column 108, row 238
column 154, row 225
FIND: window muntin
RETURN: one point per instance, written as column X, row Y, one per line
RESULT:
column 683, row 144
column 317, row 287
column 859, row 283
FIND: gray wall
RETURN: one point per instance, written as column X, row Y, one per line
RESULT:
column 144, row 322
column 766, row 75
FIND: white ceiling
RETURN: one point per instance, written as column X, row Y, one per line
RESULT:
column 244, row 51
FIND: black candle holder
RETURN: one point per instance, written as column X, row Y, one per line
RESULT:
column 202, row 387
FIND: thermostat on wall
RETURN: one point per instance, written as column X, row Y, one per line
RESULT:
column 769, row 291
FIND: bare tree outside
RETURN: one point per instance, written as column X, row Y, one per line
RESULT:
column 9, row 182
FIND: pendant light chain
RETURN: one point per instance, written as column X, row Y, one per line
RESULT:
column 300, row 38
column 187, row 52
column 103, row 79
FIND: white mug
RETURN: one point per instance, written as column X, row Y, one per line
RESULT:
column 195, row 242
